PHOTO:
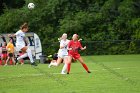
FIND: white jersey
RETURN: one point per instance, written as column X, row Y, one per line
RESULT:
column 63, row 51
column 20, row 35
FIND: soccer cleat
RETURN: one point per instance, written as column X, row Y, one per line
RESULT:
column 49, row 66
column 33, row 64
column 68, row 73
column 89, row 72
column 63, row 73
column 5, row 65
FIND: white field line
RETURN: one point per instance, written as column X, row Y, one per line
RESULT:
column 21, row 75
column 41, row 74
column 106, row 69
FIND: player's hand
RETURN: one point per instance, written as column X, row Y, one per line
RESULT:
column 9, row 35
column 69, row 48
column 80, row 39
column 85, row 47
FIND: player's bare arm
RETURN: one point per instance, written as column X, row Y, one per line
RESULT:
column 11, row 35
column 83, row 48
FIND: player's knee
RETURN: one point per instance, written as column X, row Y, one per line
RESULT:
column 69, row 61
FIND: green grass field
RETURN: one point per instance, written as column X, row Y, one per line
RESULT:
column 110, row 74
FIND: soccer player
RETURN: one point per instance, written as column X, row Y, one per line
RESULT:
column 62, row 53
column 10, row 49
column 4, row 53
column 73, row 47
column 21, row 43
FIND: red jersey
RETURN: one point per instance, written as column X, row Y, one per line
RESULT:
column 75, row 45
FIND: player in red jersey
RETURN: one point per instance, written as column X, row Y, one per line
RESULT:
column 73, row 47
column 4, row 53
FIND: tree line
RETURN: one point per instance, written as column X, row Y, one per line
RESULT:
column 93, row 20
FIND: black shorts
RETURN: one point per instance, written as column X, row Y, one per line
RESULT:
column 4, row 52
column 10, row 54
column 55, row 56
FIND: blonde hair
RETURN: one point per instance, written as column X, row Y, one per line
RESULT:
column 64, row 36
column 76, row 35
column 25, row 25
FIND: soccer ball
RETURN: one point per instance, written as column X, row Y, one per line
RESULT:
column 9, row 49
column 31, row 5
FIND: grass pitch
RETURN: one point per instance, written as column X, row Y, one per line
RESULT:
column 110, row 74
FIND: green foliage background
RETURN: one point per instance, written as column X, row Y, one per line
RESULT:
column 93, row 20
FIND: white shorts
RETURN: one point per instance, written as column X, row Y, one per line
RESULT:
column 61, row 55
column 19, row 47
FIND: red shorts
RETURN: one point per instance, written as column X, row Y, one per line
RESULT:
column 74, row 55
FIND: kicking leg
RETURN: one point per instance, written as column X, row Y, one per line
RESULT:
column 59, row 60
column 29, row 53
column 22, row 56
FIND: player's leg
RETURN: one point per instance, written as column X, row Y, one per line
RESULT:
column 29, row 53
column 7, row 61
column 12, row 58
column 21, row 61
column 65, row 65
column 11, row 55
column 11, row 62
column 0, row 61
column 22, row 56
column 69, row 64
column 59, row 60
column 3, row 58
column 19, row 47
column 80, row 59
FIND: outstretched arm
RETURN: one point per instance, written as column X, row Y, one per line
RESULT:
column 83, row 48
column 11, row 35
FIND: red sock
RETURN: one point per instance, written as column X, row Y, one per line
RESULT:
column 68, row 67
column 85, row 66
column 11, row 62
column 0, row 62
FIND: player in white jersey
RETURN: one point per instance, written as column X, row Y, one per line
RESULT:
column 62, row 53
column 21, row 43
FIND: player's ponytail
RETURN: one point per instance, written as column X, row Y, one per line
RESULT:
column 25, row 25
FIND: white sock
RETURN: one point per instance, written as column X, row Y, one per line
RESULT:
column 64, row 68
column 22, row 56
column 30, row 55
